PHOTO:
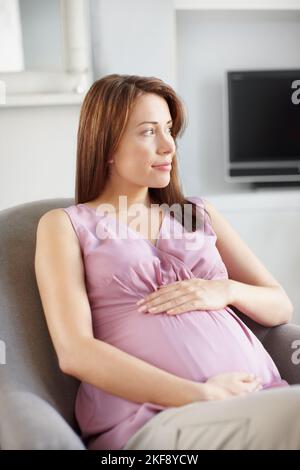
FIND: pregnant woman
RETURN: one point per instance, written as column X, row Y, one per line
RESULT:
column 136, row 281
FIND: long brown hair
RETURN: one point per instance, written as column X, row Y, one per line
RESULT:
column 104, row 114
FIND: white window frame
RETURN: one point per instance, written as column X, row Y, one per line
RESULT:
column 31, row 87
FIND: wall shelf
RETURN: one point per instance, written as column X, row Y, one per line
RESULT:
column 42, row 99
column 237, row 4
column 258, row 200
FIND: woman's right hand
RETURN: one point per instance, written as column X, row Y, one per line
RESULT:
column 222, row 386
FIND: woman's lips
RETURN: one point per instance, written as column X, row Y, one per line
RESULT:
column 163, row 167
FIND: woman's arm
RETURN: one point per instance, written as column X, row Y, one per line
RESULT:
column 266, row 305
column 129, row 377
column 60, row 277
column 254, row 291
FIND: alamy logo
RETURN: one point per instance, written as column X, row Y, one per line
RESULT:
column 118, row 226
column 296, row 354
column 296, row 94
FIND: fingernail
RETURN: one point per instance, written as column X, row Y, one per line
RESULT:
column 142, row 309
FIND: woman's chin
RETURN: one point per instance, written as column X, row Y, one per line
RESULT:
column 162, row 183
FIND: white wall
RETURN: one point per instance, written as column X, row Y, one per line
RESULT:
column 37, row 153
column 134, row 37
column 269, row 223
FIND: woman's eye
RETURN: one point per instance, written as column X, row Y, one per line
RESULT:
column 169, row 128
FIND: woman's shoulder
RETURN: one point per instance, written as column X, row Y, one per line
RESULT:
column 62, row 220
column 53, row 217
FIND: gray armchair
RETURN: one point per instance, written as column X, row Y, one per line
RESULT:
column 37, row 398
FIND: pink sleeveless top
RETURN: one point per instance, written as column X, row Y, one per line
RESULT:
column 121, row 267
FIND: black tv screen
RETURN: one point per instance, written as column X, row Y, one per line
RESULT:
column 264, row 116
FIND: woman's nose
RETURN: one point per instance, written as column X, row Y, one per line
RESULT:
column 167, row 145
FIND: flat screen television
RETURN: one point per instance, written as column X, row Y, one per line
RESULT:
column 262, row 126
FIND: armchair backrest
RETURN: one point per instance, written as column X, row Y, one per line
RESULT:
column 30, row 362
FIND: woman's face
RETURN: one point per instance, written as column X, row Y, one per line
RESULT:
column 145, row 144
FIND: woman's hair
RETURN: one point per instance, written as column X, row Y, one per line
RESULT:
column 104, row 114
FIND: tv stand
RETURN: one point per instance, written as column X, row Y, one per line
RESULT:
column 275, row 184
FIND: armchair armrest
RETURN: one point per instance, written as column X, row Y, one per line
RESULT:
column 28, row 422
column 281, row 342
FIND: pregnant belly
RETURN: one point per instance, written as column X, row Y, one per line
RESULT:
column 194, row 345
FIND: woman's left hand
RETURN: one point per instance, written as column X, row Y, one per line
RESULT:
column 188, row 295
